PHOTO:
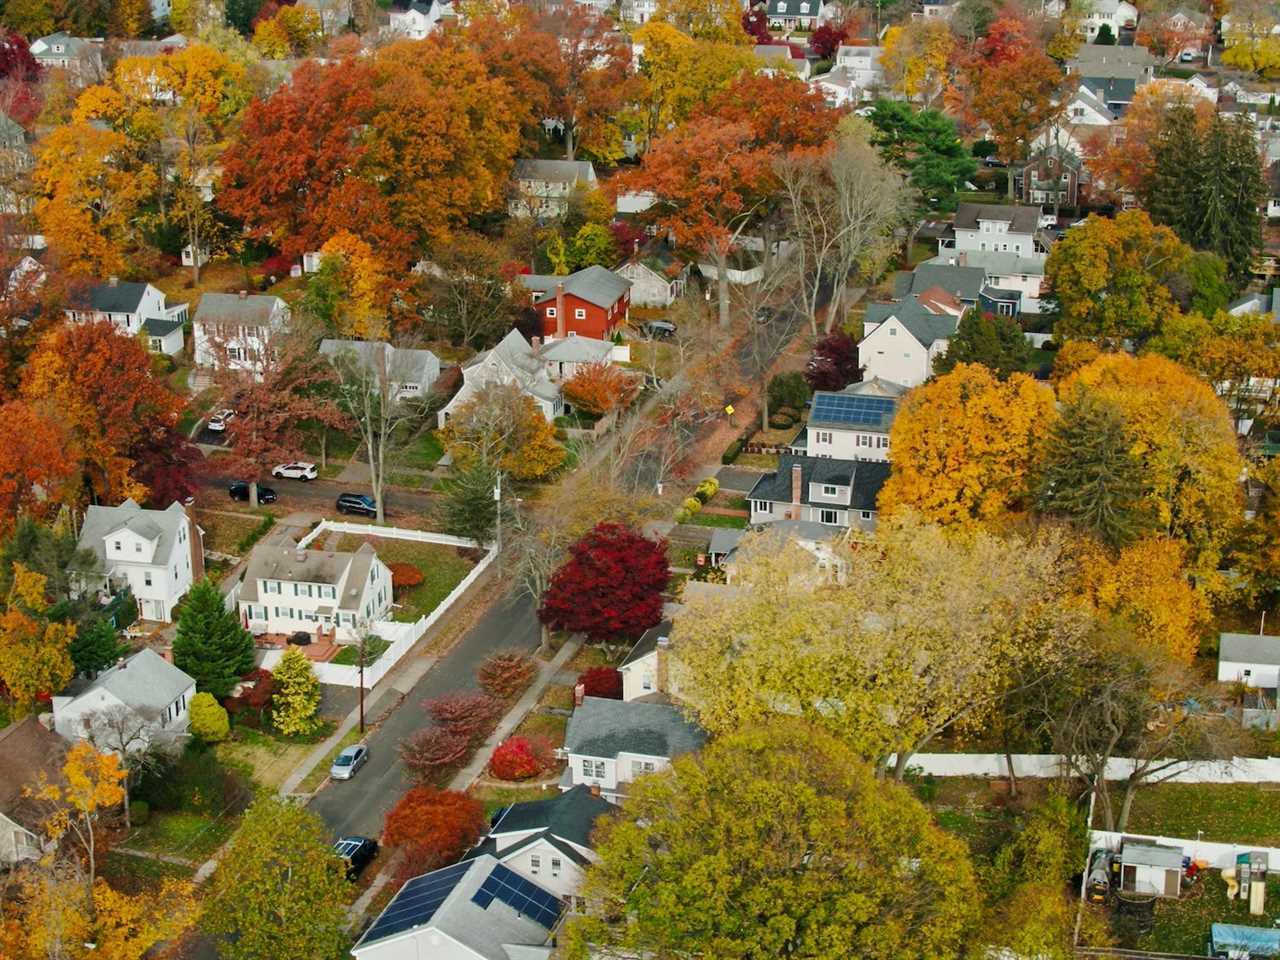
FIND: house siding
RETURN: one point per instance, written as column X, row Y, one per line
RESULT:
column 296, row 606
column 584, row 319
column 891, row 353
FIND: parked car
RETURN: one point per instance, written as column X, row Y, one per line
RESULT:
column 359, row 503
column 658, row 329
column 240, row 491
column 350, row 760
column 300, row 638
column 357, row 853
column 218, row 422
column 295, row 471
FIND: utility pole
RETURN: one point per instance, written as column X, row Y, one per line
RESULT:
column 497, row 498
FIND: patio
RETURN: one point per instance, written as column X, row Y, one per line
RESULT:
column 321, row 649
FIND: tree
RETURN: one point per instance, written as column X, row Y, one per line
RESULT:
column 610, row 588
column 1090, row 475
column 296, row 695
column 788, row 390
column 1104, row 37
column 90, row 783
column 833, row 364
column 30, row 18
column 210, row 644
column 433, row 827
column 755, row 22
column 714, row 20
column 95, row 647
column 468, row 297
column 916, row 59
column 468, row 506
column 209, row 721
column 1168, row 29
column 35, row 657
column 506, row 674
column 469, row 714
column 995, row 342
column 428, row 752
column 601, row 388
column 788, row 821
column 965, row 446
column 592, row 245
column 924, row 146
column 1108, row 278
column 501, row 428
column 130, row 18
column 1256, row 554
column 279, row 891
column 39, row 468
column 826, row 40
column 602, row 681
column 517, row 758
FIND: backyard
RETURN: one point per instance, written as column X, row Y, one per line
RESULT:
column 442, row 568
column 1182, row 925
column 1221, row 812
column 978, row 811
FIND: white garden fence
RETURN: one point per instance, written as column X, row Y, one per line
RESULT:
column 1049, row 766
column 401, row 636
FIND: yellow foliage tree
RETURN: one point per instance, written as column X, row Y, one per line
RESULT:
column 916, row 58
column 1259, row 55
column 271, row 39
column 91, row 783
column 503, row 429
column 130, row 18
column 965, row 446
column 716, row 20
column 1073, row 355
column 365, row 316
column 35, row 655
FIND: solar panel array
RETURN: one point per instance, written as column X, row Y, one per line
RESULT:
column 417, row 902
column 523, row 896
column 852, row 409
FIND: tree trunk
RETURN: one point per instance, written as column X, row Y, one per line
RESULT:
column 544, row 638
column 570, row 147
column 900, row 765
column 376, row 477
column 253, row 493
column 764, row 401
column 722, row 287
column 1126, row 805
column 1008, row 761
column 324, row 446
column 127, row 822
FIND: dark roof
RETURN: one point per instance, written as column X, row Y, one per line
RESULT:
column 965, row 282
column 606, row 728
column 155, row 327
column 842, row 410
column 570, row 815
column 1020, row 219
column 1112, row 90
column 594, row 284
column 865, row 476
column 647, row 643
column 110, row 298
column 26, row 751
column 923, row 325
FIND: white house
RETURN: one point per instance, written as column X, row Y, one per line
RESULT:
column 1116, row 14
column 420, row 19
column 849, row 426
column 1007, row 271
column 133, row 308
column 332, row 595
column 638, row 11
column 903, row 339
column 144, row 694
column 406, row 373
column 81, row 57
column 194, row 256
column 158, row 554
column 548, row 841
column 995, row 226
column 856, row 76
column 1251, row 659
column 564, row 357
column 542, row 188
column 610, row 743
column 512, row 361
column 27, row 275
column 793, row 14
column 777, row 58
column 479, row 909
column 334, row 14
column 835, row 493
column 645, row 668
column 658, row 278
column 27, row 752
column 237, row 329
column 1083, row 118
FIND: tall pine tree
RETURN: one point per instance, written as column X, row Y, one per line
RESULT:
column 994, row 342
column 1091, row 476
column 95, row 647
column 210, row 644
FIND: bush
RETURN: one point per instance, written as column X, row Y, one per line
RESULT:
column 209, row 719
column 515, row 759
column 433, row 827
column 278, row 265
column 161, row 365
column 256, row 534
column 691, row 505
column 780, row 420
column 682, row 516
column 731, row 452
column 788, row 390
column 139, row 812
column 601, row 682
column 707, row 489
column 470, row 714
column 297, row 695
column 428, row 752
column 506, row 674
column 404, row 575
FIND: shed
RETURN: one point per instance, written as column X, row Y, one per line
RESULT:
column 1251, row 659
column 1151, row 868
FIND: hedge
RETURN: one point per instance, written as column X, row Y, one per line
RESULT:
column 731, row 452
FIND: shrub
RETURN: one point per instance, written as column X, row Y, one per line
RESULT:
column 432, row 827
column 278, row 265
column 506, row 674
column 682, row 516
column 788, row 390
column 691, row 505
column 297, row 695
column 258, row 696
column 731, row 452
column 139, row 812
column 209, row 719
column 707, row 489
column 469, row 714
column 601, row 682
column 430, row 751
column 515, row 759
column 405, row 575
column 780, row 420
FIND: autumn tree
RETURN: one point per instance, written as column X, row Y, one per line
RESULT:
column 790, row 821
column 966, row 446
column 29, row 18
column 600, row 388
column 1167, row 29
column 210, row 644
column 1256, row 553
column 610, row 588
column 714, row 20
column 279, row 891
column 995, row 342
column 295, row 695
column 502, row 428
column 39, row 468
column 833, row 363
column 467, row 297
column 433, row 827
column 91, row 783
column 35, row 656
column 917, row 58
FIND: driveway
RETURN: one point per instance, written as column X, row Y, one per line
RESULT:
column 358, row 806
column 315, row 495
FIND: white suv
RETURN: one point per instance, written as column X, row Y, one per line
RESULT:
column 295, row 471
column 218, row 422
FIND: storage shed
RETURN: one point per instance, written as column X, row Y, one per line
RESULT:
column 1151, row 868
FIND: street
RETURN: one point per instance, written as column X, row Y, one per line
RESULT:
column 316, row 495
column 357, row 806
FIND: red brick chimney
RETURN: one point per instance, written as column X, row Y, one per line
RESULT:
column 560, row 325
column 797, row 491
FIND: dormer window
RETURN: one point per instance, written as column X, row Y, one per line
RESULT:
column 782, row 8
column 828, row 490
column 804, row 8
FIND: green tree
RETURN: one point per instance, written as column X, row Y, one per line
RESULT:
column 240, row 14
column 209, row 721
column 775, row 842
column 994, row 342
column 1090, row 475
column 31, row 18
column 592, row 245
column 279, row 891
column 1105, row 37
column 297, row 695
column 468, row 507
column 96, row 646
column 210, row 644
column 923, row 144
column 1202, row 286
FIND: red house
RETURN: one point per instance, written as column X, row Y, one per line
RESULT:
column 593, row 302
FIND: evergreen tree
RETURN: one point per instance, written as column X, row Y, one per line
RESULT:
column 1105, row 37
column 1091, row 476
column 95, row 647
column 1175, row 155
column 210, row 644
column 240, row 14
column 995, row 342
column 469, row 509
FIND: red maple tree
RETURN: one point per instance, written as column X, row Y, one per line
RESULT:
column 468, row 714
column 517, row 758
column 826, row 40
column 432, row 827
column 833, row 365
column 611, row 587
column 429, row 751
column 601, row 682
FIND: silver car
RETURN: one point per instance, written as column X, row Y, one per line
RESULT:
column 348, row 762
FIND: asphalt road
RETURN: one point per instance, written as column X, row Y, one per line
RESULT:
column 316, row 495
column 357, row 806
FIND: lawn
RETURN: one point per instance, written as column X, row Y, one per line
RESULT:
column 495, row 798
column 656, row 356
column 424, row 451
column 973, row 809
column 548, row 725
column 441, row 566
column 586, row 658
column 1182, row 925
column 349, row 655
column 337, row 445
column 220, row 276
column 702, row 519
column 134, row 875
column 223, row 532
column 196, row 408
column 757, row 461
column 557, row 695
column 266, row 759
column 180, row 833
column 311, row 782
column 1222, row 812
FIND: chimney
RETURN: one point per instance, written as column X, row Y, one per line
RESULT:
column 537, row 343
column 579, row 693
column 661, row 666
column 560, row 326
column 595, row 789
column 196, row 542
column 113, row 282
column 244, row 294
column 963, row 258
column 797, row 489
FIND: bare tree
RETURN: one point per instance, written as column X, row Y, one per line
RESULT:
column 772, row 322
column 131, row 735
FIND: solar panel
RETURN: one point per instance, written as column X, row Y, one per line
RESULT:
column 417, row 902
column 852, row 409
column 523, row 896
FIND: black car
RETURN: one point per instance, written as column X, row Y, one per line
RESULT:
column 240, row 491
column 357, row 853
column 358, row 503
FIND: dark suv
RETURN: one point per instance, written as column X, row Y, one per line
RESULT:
column 359, row 503
column 357, row 853
column 240, row 491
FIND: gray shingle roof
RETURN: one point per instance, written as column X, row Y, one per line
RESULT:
column 286, row 562
column 146, row 682
column 866, row 477
column 515, row 352
column 994, row 262
column 161, row 525
column 606, row 728
column 1151, row 854
column 965, row 282
column 402, row 364
column 121, row 297
column 594, row 284
column 923, row 325
column 576, row 350
column 252, row 310
column 648, row 642
column 570, row 815
column 1021, row 219
column 157, row 327
column 1085, row 93
column 555, row 171
column 1248, row 648
column 1113, row 89
column 1091, row 55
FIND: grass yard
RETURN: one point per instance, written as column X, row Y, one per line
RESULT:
column 196, row 408
column 972, row 809
column 586, row 658
column 757, row 461
column 1182, row 925
column 548, row 725
column 266, row 759
column 320, row 772
column 349, row 655
column 337, row 445
column 718, row 520
column 654, row 355
column 223, row 532
column 134, row 875
column 220, row 276
column 192, row 836
column 424, row 451
column 1224, row 812
column 441, row 566
column 495, row 798
column 415, row 481
column 557, row 695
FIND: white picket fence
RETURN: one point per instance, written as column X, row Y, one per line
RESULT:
column 1218, row 855
column 402, row 636
column 1050, row 766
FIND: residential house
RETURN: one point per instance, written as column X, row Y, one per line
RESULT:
column 237, row 329
column 638, row 11
column 513, row 360
column 194, row 256
column 152, row 48
column 542, row 188
column 331, row 594
column 547, row 841
column 134, row 309
column 16, row 161
column 1256, row 303
column 645, row 667
column 1250, row 659
column 562, row 359
column 1113, row 74
column 857, row 76
column 941, row 283
column 657, row 276
column 848, row 426
column 995, row 226
column 836, row 493
column 27, row 275
column 1084, row 118
column 936, row 8
column 1272, row 177
column 335, row 15
column 592, row 302
column 479, row 909
column 28, row 752
column 780, row 58
column 610, row 743
column 902, row 340
column 406, row 373
column 1003, row 273
column 820, row 540
column 1052, row 175
column 156, row 554
column 81, row 57
column 1151, row 868
column 145, row 696
column 1116, row 15
column 793, row 14
column 420, row 19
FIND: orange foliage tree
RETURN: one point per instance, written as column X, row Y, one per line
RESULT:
column 39, row 468
column 432, row 827
column 601, row 388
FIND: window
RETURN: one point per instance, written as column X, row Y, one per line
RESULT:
column 829, row 517
column 555, row 866
column 764, row 506
column 551, row 312
column 639, row 767
column 593, row 768
column 154, row 344
column 646, row 681
column 535, row 863
column 579, row 314
column 828, row 490
column 893, row 331
column 146, row 578
column 117, row 545
column 882, row 442
column 823, row 436
column 137, row 546
column 866, row 514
